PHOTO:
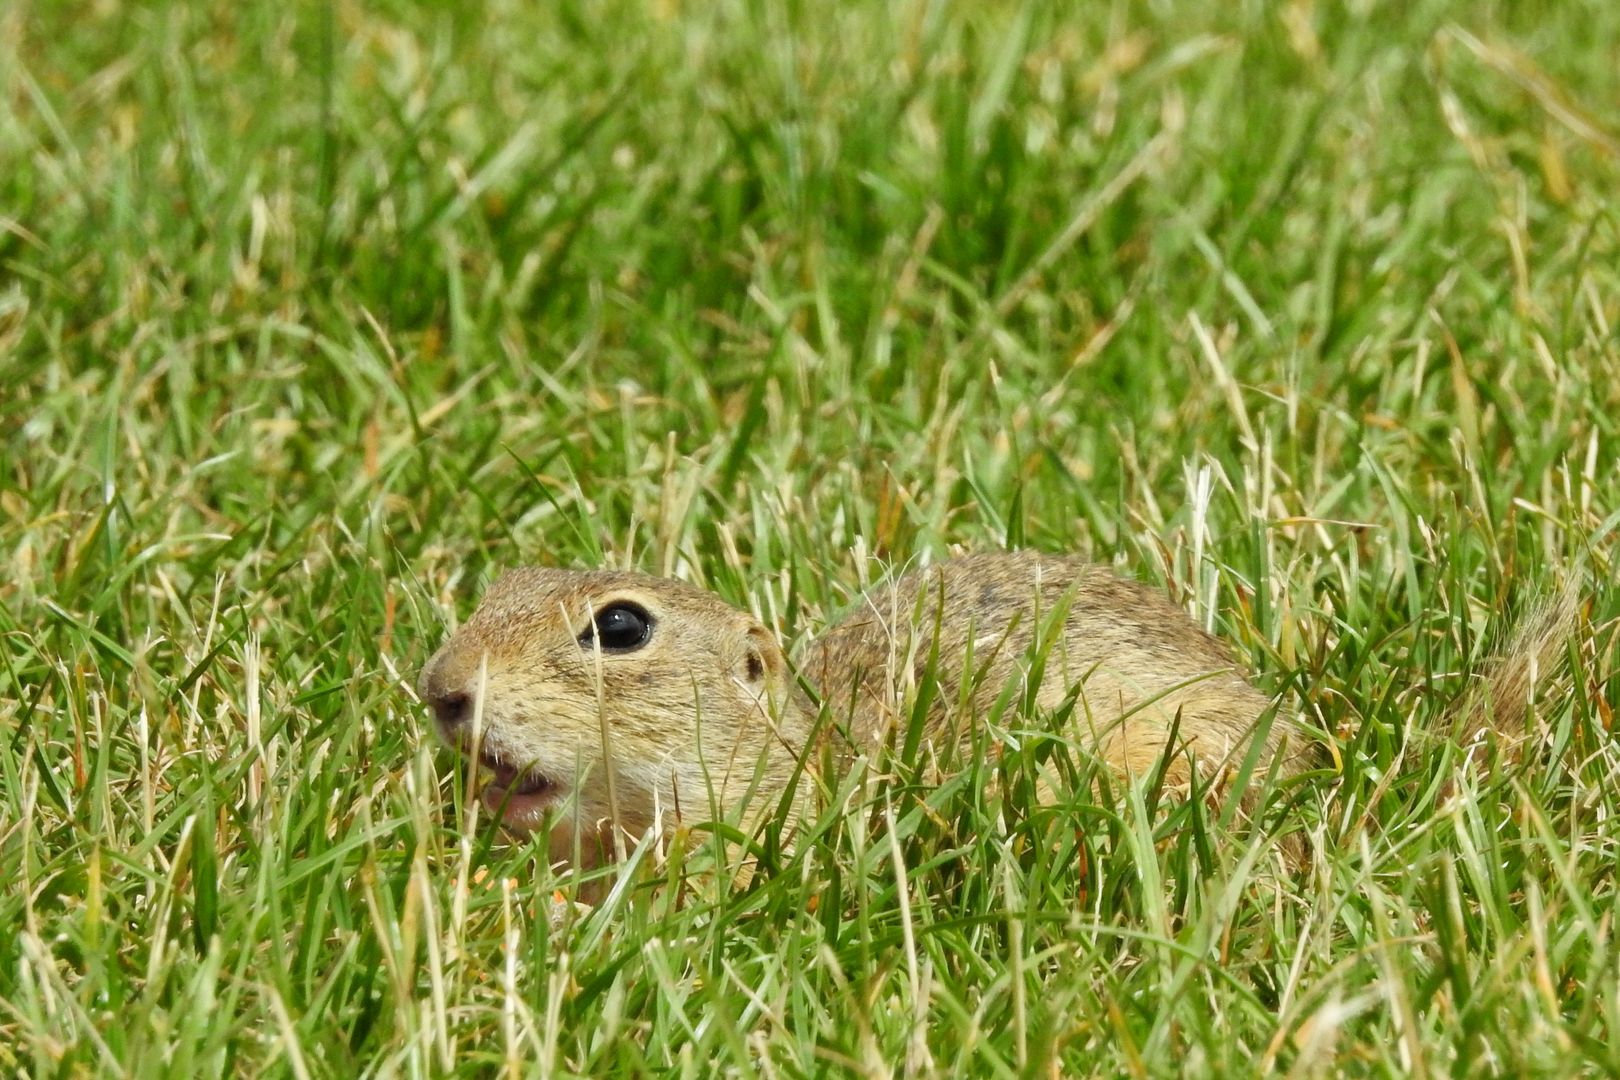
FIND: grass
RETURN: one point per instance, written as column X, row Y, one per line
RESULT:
column 313, row 315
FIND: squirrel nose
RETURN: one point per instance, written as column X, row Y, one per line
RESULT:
column 451, row 707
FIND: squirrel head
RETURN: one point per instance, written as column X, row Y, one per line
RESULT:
column 601, row 697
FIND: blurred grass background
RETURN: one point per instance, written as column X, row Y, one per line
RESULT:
column 313, row 315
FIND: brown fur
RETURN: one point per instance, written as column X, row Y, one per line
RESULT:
column 1134, row 659
column 706, row 720
column 706, row 717
column 1497, row 701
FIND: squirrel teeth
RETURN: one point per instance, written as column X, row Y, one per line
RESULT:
column 530, row 784
column 510, row 779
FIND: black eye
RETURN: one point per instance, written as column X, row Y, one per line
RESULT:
column 619, row 628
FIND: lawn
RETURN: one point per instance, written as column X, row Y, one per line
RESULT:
column 315, row 315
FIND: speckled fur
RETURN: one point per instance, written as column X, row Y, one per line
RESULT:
column 707, row 716
column 1132, row 659
column 1532, row 663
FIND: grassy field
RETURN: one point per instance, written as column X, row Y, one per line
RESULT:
column 314, row 315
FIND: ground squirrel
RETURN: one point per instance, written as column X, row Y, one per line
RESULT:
column 604, row 696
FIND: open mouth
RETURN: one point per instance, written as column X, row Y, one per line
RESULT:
column 519, row 796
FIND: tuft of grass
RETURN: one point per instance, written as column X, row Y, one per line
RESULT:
column 312, row 315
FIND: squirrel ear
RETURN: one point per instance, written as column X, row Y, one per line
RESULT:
column 762, row 656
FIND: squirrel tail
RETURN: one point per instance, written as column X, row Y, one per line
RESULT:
column 1498, row 699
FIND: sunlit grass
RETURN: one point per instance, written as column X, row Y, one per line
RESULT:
column 312, row 316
